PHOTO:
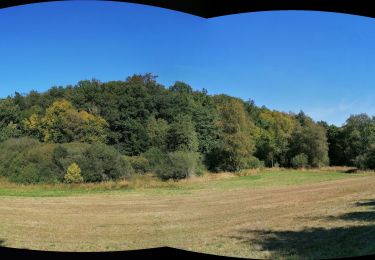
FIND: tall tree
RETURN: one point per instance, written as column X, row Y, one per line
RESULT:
column 359, row 135
column 276, row 129
column 336, row 146
column 235, row 145
column 310, row 139
column 10, row 115
column 181, row 135
column 157, row 130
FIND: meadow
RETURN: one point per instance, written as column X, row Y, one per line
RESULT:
column 271, row 213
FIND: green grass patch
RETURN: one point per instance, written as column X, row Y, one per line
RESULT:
column 150, row 185
column 267, row 179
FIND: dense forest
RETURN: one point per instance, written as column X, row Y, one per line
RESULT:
column 95, row 131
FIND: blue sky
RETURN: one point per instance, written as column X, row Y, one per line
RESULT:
column 319, row 62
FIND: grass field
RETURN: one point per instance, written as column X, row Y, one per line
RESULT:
column 268, row 214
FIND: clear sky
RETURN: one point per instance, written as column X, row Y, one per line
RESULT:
column 319, row 62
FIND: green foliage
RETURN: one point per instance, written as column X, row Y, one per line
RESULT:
column 335, row 139
column 101, row 163
column 358, row 140
column 73, row 174
column 64, row 155
column 157, row 130
column 155, row 157
column 367, row 160
column 181, row 87
column 181, row 135
column 139, row 163
column 138, row 116
column 275, row 131
column 310, row 139
column 27, row 161
column 9, row 112
column 178, row 165
column 236, row 141
column 300, row 160
column 9, row 131
column 254, row 163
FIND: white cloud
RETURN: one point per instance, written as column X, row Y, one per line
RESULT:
column 337, row 114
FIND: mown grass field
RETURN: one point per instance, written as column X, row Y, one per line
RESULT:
column 267, row 214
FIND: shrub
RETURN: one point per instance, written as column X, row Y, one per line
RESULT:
column 179, row 165
column 59, row 153
column 360, row 161
column 101, row 162
column 26, row 160
column 66, row 154
column 98, row 162
column 10, row 131
column 214, row 158
column 254, row 163
column 27, row 175
column 299, row 161
column 200, row 168
column 155, row 157
column 18, row 144
column 139, row 163
column 73, row 174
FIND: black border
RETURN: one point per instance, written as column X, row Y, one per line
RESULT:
column 153, row 253
column 215, row 8
column 204, row 9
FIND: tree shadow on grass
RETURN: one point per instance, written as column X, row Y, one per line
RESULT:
column 2, row 242
column 356, row 216
column 366, row 203
column 320, row 242
column 313, row 243
column 353, row 170
column 368, row 215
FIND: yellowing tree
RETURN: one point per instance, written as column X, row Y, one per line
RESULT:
column 95, row 128
column 62, row 123
column 73, row 174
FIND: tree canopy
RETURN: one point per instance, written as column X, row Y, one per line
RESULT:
column 138, row 116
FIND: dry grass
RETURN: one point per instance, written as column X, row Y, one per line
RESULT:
column 136, row 182
column 282, row 221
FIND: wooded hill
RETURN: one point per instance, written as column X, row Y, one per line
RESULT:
column 108, row 130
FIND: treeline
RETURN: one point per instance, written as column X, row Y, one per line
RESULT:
column 140, row 125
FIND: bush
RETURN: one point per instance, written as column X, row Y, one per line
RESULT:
column 10, row 131
column 139, row 163
column 254, row 163
column 299, row 161
column 178, row 165
column 27, row 175
column 201, row 169
column 27, row 160
column 66, row 154
column 361, row 162
column 101, row 163
column 214, row 158
column 73, row 174
column 155, row 157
